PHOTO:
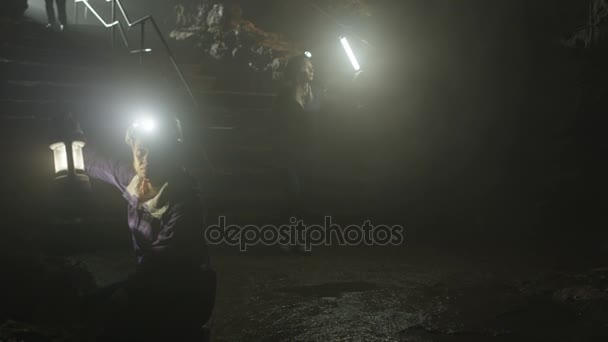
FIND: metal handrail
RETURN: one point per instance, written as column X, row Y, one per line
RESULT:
column 112, row 24
column 142, row 22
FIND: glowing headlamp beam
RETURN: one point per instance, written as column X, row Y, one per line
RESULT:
column 350, row 54
column 146, row 124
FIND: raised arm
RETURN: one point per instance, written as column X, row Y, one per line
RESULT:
column 106, row 170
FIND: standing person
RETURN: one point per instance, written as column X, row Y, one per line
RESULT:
column 61, row 13
column 297, row 110
column 170, row 295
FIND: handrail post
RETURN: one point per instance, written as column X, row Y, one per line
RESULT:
column 141, row 42
column 113, row 29
column 75, row 12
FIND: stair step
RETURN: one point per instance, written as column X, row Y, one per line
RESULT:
column 59, row 73
column 232, row 99
column 76, row 36
column 159, row 62
column 49, row 91
column 74, row 56
column 227, row 121
column 25, row 102
column 35, row 109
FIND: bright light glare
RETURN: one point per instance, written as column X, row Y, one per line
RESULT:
column 350, row 54
column 308, row 54
column 61, row 157
column 77, row 154
column 146, row 124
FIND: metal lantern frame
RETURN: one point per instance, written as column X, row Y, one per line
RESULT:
column 68, row 158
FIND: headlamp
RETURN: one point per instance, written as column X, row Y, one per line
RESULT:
column 157, row 130
column 146, row 124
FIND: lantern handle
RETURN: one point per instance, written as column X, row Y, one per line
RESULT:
column 72, row 129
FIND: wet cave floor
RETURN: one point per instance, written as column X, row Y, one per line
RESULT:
column 398, row 294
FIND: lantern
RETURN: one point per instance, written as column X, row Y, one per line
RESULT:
column 68, row 156
column 60, row 155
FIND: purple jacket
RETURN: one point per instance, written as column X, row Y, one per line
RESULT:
column 167, row 231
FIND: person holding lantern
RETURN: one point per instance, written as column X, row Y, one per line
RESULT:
column 171, row 294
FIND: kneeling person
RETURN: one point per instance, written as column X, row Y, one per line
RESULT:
column 172, row 290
